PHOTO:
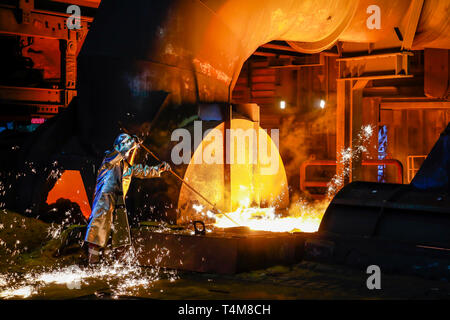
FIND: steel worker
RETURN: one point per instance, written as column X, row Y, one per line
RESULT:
column 109, row 214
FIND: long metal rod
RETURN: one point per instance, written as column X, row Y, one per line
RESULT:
column 215, row 210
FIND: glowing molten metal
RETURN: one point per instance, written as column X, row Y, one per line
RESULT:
column 302, row 218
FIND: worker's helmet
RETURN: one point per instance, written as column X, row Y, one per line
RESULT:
column 123, row 143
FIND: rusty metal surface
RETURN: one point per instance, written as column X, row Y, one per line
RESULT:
column 27, row 20
column 218, row 252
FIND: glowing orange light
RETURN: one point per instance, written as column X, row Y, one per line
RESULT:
column 302, row 217
column 70, row 186
column 250, row 182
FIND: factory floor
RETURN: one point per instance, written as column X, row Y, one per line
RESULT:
column 306, row 280
column 29, row 270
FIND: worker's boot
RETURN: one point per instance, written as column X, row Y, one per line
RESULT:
column 94, row 254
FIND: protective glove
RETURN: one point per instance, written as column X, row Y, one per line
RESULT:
column 137, row 139
column 164, row 166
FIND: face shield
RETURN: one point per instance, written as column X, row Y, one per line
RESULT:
column 124, row 143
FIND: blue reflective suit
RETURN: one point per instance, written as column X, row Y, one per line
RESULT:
column 108, row 209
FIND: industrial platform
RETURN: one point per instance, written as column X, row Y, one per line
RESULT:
column 225, row 251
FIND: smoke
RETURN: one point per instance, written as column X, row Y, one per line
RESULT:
column 306, row 137
column 302, row 206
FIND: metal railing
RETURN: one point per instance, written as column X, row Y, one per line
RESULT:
column 411, row 166
column 308, row 184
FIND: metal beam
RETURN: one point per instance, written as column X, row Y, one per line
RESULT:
column 25, row 20
column 296, row 66
column 378, row 77
column 371, row 67
column 356, row 109
column 32, row 94
column 414, row 105
column 84, row 3
column 264, row 54
column 413, row 21
column 348, row 125
column 44, row 25
column 25, row 8
column 342, row 125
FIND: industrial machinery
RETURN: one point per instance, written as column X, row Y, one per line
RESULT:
column 395, row 226
column 159, row 66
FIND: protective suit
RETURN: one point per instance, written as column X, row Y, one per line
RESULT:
column 113, row 180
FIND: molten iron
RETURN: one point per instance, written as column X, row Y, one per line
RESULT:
column 305, row 219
